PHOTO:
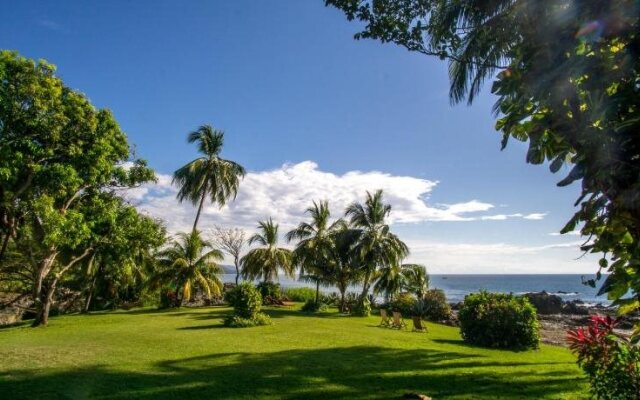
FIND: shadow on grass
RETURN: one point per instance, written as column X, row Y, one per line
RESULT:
column 364, row 372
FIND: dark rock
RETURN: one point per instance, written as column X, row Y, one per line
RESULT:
column 545, row 303
column 575, row 307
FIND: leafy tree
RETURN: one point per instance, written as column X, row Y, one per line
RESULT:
column 265, row 262
column 208, row 175
column 565, row 74
column 60, row 161
column 314, row 243
column 389, row 280
column 376, row 246
column 416, row 279
column 188, row 263
column 119, row 268
column 231, row 241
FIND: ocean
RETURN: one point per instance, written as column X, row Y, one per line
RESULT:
column 455, row 286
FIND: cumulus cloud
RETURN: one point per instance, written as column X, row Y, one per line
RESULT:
column 284, row 193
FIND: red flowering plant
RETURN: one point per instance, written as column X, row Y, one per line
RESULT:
column 610, row 360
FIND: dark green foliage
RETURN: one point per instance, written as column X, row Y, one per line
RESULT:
column 499, row 320
column 269, row 289
column 245, row 300
column 435, row 304
column 361, row 306
column 236, row 321
column 312, row 307
column 403, row 303
column 168, row 299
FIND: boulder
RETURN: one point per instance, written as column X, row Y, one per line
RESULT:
column 546, row 303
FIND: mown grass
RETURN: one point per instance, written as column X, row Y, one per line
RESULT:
column 188, row 354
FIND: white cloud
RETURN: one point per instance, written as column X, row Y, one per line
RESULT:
column 284, row 193
column 496, row 258
column 535, row 216
column 571, row 233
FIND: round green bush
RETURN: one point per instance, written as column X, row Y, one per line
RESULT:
column 499, row 320
column 404, row 303
column 436, row 307
column 245, row 300
column 311, row 307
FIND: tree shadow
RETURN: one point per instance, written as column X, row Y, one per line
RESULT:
column 362, row 372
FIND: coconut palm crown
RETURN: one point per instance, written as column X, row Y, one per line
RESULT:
column 191, row 262
column 313, row 250
column 264, row 262
column 377, row 246
column 210, row 175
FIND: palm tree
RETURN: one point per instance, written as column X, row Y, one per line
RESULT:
column 390, row 281
column 208, row 175
column 377, row 247
column 265, row 262
column 314, row 242
column 416, row 279
column 191, row 262
column 344, row 261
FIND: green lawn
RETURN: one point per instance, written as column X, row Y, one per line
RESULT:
column 188, row 354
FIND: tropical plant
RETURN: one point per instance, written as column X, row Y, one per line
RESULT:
column 246, row 301
column 566, row 75
column 313, row 249
column 416, row 279
column 344, row 262
column 376, row 246
column 611, row 362
column 265, row 262
column 499, row 320
column 210, row 175
column 190, row 262
column 436, row 307
column 301, row 294
column 389, row 280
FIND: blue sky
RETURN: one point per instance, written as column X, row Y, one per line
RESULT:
column 311, row 113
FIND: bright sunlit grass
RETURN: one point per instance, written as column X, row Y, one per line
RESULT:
column 188, row 354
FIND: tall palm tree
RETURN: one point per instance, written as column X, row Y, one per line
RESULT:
column 377, row 247
column 314, row 242
column 416, row 279
column 208, row 175
column 191, row 262
column 265, row 262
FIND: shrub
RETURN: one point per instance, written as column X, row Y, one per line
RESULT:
column 168, row 299
column 499, row 320
column 361, row 307
column 301, row 294
column 245, row 300
column 311, row 307
column 235, row 321
column 403, row 303
column 269, row 289
column 610, row 361
column 435, row 305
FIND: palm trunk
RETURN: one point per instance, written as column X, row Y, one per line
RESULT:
column 237, row 264
column 204, row 196
column 342, row 294
column 317, row 291
column 365, row 286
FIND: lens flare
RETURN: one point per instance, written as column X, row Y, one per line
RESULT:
column 590, row 31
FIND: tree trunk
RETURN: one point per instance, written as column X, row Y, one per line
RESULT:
column 204, row 196
column 317, row 291
column 42, row 313
column 87, row 302
column 5, row 243
column 365, row 286
column 237, row 264
column 342, row 295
